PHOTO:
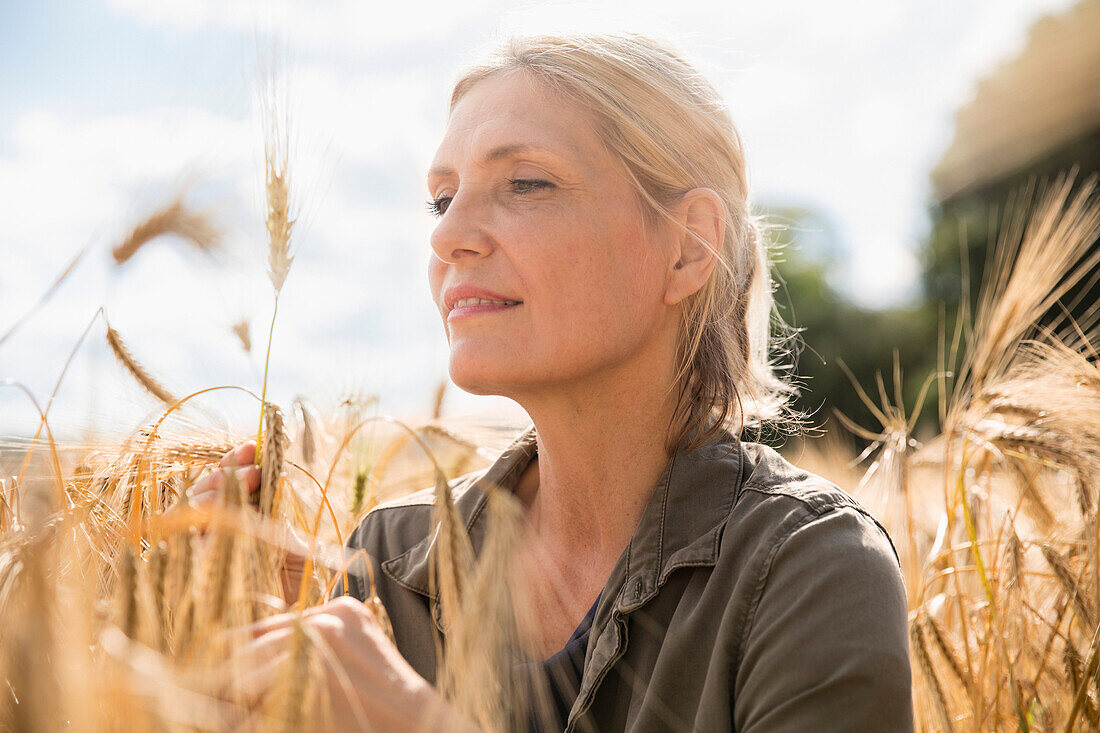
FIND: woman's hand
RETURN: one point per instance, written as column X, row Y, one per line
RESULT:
column 369, row 685
column 204, row 493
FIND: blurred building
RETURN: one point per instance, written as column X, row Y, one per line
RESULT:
column 1038, row 113
column 1034, row 117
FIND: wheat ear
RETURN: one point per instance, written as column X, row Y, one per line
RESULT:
column 1087, row 673
column 173, row 218
column 937, row 634
column 274, row 448
column 277, row 187
column 158, row 570
column 939, row 701
column 196, row 453
column 309, row 430
column 453, row 555
column 127, row 590
column 144, row 378
column 1070, row 585
column 243, row 332
column 437, row 403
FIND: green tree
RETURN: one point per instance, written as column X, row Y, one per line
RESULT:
column 832, row 329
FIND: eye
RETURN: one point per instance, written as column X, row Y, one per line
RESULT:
column 438, row 207
column 526, row 185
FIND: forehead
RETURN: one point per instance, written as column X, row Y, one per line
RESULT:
column 512, row 114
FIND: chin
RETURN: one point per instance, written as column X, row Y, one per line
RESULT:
column 477, row 376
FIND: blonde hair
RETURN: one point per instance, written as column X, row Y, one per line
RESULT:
column 672, row 131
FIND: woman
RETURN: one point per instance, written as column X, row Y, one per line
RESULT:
column 595, row 260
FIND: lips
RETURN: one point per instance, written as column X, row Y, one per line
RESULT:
column 473, row 297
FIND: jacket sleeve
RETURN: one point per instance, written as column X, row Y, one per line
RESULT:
column 827, row 648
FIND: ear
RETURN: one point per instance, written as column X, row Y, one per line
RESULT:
column 701, row 227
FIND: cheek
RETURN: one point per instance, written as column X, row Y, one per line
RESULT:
column 605, row 293
column 612, row 277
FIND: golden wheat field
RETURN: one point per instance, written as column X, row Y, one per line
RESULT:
column 121, row 601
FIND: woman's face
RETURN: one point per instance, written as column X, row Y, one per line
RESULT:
column 544, row 270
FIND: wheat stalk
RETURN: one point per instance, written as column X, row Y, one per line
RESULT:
column 7, row 515
column 279, row 224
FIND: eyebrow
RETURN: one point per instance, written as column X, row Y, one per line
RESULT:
column 498, row 153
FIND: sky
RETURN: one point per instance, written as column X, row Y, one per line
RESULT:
column 108, row 107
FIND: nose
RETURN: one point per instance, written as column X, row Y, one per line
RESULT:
column 461, row 232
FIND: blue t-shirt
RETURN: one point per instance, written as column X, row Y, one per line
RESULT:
column 562, row 674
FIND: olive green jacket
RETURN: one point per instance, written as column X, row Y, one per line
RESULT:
column 753, row 596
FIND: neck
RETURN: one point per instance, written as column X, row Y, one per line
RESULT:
column 601, row 451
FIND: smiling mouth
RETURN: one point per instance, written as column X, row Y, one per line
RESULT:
column 479, row 307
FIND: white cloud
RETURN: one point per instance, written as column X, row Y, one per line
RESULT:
column 348, row 26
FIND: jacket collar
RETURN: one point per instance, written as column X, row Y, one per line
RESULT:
column 680, row 526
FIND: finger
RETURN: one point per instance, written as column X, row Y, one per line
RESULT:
column 262, row 647
column 249, row 477
column 344, row 696
column 345, row 608
column 249, row 680
column 204, row 502
column 368, row 690
column 213, row 483
column 266, row 625
column 242, row 455
column 209, row 481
